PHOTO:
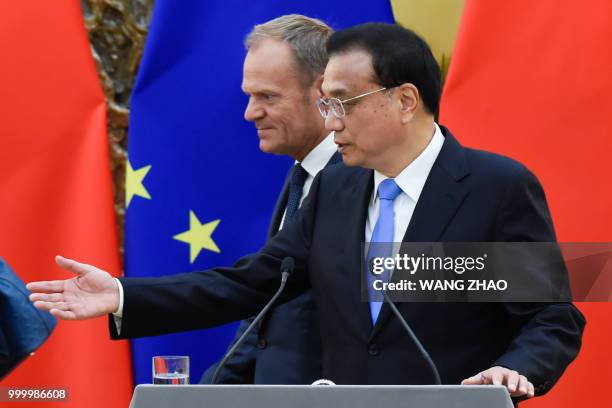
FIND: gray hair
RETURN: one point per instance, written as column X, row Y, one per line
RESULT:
column 306, row 36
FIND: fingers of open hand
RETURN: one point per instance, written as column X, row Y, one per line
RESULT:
column 47, row 297
column 42, row 305
column 73, row 266
column 63, row 314
column 46, row 286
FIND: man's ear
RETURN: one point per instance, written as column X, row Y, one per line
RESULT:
column 409, row 100
column 318, row 83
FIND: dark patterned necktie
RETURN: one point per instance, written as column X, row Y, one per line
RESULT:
column 296, row 185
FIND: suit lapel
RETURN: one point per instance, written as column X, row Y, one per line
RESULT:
column 438, row 203
column 279, row 208
column 336, row 158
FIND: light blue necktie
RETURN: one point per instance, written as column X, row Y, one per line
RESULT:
column 384, row 231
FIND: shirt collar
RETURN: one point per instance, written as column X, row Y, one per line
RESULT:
column 412, row 179
column 318, row 157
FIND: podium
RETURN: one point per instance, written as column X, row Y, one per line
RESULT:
column 320, row 396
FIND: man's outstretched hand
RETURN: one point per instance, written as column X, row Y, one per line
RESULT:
column 92, row 293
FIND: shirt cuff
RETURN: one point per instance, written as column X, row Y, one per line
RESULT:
column 117, row 316
column 119, row 312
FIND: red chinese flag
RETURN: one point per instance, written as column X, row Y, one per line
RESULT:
column 531, row 80
column 56, row 190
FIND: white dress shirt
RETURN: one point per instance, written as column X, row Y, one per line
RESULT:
column 411, row 181
column 313, row 163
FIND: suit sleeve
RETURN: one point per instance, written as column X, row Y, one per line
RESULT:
column 4, row 354
column 198, row 300
column 548, row 335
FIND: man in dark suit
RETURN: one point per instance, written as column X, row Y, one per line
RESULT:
column 282, row 88
column 415, row 183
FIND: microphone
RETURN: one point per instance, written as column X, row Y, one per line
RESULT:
column 286, row 269
column 415, row 339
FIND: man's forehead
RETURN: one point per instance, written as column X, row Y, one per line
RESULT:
column 268, row 56
column 346, row 72
column 269, row 64
column 270, row 47
column 331, row 87
column 264, row 83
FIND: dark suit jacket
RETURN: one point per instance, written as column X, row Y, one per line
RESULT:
column 286, row 347
column 4, row 351
column 23, row 328
column 469, row 195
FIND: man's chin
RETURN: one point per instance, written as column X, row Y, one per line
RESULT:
column 350, row 160
column 270, row 148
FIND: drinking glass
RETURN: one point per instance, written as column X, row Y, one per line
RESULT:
column 171, row 370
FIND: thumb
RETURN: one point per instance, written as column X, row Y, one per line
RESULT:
column 71, row 265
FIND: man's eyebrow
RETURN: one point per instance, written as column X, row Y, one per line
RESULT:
column 336, row 93
column 258, row 91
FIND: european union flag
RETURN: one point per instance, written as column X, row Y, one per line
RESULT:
column 199, row 191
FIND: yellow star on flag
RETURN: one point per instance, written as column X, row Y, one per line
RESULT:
column 198, row 236
column 133, row 183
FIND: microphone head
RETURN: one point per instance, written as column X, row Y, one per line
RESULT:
column 287, row 265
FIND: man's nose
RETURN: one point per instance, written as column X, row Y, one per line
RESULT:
column 253, row 111
column 334, row 123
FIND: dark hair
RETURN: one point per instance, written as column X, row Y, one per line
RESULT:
column 398, row 56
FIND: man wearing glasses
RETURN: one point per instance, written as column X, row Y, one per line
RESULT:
column 405, row 179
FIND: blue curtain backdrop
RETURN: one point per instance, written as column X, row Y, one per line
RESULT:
column 187, row 125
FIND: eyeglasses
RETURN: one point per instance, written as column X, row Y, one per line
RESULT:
column 336, row 106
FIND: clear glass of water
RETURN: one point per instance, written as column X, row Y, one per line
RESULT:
column 171, row 370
